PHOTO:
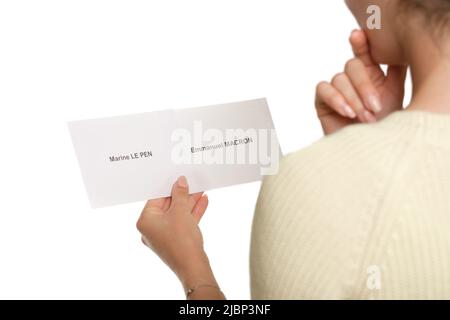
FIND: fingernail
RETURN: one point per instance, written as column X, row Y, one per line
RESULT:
column 375, row 104
column 349, row 112
column 369, row 117
column 182, row 182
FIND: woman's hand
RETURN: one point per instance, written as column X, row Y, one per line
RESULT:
column 362, row 93
column 169, row 226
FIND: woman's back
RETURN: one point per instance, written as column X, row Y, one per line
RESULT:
column 363, row 213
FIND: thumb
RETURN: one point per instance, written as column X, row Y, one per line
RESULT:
column 361, row 48
column 180, row 194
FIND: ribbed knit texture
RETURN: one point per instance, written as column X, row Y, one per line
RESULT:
column 369, row 196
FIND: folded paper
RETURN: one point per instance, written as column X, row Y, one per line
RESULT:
column 138, row 157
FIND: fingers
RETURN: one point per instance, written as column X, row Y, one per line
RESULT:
column 193, row 198
column 343, row 84
column 352, row 93
column 360, row 79
column 200, row 208
column 155, row 203
column 180, row 194
column 334, row 99
column 160, row 203
column 361, row 86
column 167, row 203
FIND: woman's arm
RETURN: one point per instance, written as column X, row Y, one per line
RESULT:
column 169, row 226
column 198, row 281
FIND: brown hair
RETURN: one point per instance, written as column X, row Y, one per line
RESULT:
column 436, row 13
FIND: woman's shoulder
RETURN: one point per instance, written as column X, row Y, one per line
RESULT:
column 360, row 154
column 351, row 155
column 351, row 144
column 372, row 143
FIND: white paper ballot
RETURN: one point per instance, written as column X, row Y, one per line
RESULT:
column 138, row 157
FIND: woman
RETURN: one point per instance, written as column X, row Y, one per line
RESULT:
column 365, row 212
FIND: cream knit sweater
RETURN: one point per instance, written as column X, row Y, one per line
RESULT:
column 361, row 214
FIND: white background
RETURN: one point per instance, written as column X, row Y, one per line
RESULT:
column 70, row 60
